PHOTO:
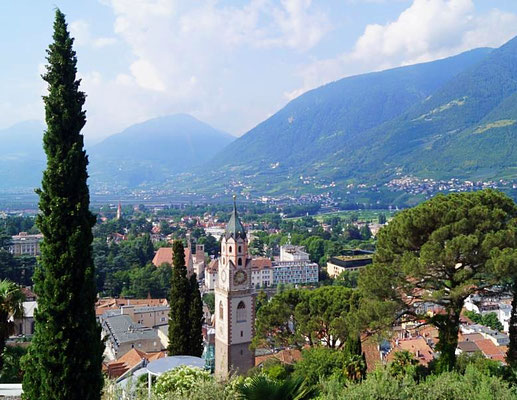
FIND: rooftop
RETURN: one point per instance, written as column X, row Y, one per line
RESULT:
column 123, row 329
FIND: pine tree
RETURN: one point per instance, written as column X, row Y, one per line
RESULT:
column 196, row 319
column 179, row 329
column 65, row 356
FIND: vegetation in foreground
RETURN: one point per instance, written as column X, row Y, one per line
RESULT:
column 475, row 378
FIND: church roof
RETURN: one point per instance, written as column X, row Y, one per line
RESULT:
column 235, row 228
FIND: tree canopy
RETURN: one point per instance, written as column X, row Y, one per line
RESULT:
column 432, row 257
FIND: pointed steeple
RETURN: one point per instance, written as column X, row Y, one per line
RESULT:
column 235, row 228
column 119, row 210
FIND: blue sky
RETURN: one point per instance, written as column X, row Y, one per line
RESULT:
column 230, row 63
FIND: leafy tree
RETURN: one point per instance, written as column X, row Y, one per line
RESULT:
column 403, row 364
column 489, row 319
column 436, row 253
column 212, row 246
column 181, row 380
column 315, row 247
column 261, row 300
column 11, row 307
column 179, row 329
column 165, row 228
column 382, row 219
column 11, row 371
column 320, row 362
column 365, row 232
column 65, row 356
column 275, row 324
column 347, row 279
column 258, row 247
column 195, row 319
column 209, row 300
column 325, row 316
column 276, row 369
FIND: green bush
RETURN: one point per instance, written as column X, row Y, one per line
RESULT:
column 180, row 380
column 380, row 385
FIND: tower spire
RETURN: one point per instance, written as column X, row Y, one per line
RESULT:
column 235, row 228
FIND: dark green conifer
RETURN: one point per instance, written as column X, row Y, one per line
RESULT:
column 195, row 319
column 179, row 327
column 65, row 356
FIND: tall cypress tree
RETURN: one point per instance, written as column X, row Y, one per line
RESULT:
column 195, row 319
column 179, row 327
column 65, row 356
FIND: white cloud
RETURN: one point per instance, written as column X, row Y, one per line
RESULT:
column 104, row 42
column 80, row 30
column 192, row 56
column 426, row 30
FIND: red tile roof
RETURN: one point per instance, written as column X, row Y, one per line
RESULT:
column 489, row 349
column 287, row 356
column 261, row 263
column 213, row 266
column 129, row 360
column 103, row 305
column 417, row 346
column 165, row 255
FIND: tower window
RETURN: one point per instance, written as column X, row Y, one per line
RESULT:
column 239, row 261
column 241, row 312
column 230, row 249
column 240, row 249
column 221, row 310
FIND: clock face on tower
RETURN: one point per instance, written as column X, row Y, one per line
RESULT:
column 240, row 277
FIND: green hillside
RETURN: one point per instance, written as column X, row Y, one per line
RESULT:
column 465, row 129
column 453, row 118
column 327, row 132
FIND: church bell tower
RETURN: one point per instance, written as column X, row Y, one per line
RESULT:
column 234, row 303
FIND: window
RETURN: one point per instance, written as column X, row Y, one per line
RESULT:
column 230, row 249
column 220, row 310
column 242, row 333
column 240, row 249
column 241, row 312
column 239, row 261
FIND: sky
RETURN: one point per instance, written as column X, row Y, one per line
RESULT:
column 230, row 63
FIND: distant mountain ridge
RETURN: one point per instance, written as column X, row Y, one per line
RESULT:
column 22, row 159
column 152, row 151
column 326, row 132
column 450, row 118
column 145, row 153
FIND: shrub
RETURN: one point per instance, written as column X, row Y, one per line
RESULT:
column 180, row 380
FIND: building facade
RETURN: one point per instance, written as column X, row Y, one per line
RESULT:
column 24, row 244
column 234, row 303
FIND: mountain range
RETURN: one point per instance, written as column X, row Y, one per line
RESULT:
column 450, row 118
column 144, row 153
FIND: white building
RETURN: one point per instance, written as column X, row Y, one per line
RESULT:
column 261, row 272
column 295, row 272
column 294, row 266
column 485, row 305
column 211, row 274
column 293, row 253
column 24, row 244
